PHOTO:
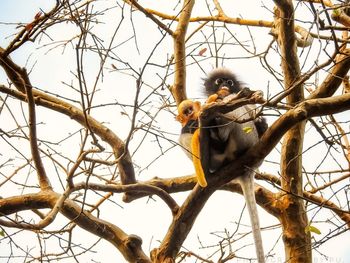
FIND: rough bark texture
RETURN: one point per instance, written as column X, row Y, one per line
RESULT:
column 293, row 215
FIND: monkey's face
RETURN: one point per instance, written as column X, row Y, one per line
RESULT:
column 224, row 87
column 222, row 82
column 188, row 110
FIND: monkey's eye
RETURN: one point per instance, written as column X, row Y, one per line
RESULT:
column 229, row 82
column 219, row 81
column 188, row 111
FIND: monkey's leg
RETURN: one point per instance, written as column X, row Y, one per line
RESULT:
column 195, row 147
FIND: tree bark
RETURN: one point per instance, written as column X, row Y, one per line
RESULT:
column 293, row 214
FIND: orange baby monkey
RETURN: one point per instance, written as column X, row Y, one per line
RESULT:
column 188, row 114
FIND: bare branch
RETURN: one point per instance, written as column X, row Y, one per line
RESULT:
column 179, row 87
column 44, row 181
column 124, row 160
column 335, row 77
column 143, row 188
column 150, row 15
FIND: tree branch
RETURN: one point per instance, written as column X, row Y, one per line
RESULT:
column 318, row 200
column 293, row 216
column 333, row 80
column 128, row 245
column 145, row 189
column 44, row 181
column 121, row 154
column 182, row 224
column 188, row 212
column 179, row 87
column 150, row 15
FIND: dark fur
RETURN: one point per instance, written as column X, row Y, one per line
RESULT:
column 224, row 74
column 224, row 140
column 190, row 127
column 210, row 87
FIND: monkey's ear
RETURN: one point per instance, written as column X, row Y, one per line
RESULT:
column 182, row 119
column 179, row 118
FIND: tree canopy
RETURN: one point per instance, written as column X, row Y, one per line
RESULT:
column 90, row 164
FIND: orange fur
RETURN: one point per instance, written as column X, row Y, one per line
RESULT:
column 212, row 98
column 184, row 116
column 195, row 147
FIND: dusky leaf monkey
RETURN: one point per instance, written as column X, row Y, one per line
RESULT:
column 226, row 137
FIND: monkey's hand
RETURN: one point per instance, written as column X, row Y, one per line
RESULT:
column 244, row 93
column 212, row 99
column 258, row 97
column 230, row 98
column 254, row 96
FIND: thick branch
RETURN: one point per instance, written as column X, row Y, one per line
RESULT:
column 345, row 216
column 301, row 112
column 264, row 197
column 169, row 185
column 341, row 17
column 13, row 71
column 219, row 18
column 318, row 200
column 284, row 26
column 293, row 215
column 182, row 224
column 128, row 245
column 333, row 80
column 306, row 37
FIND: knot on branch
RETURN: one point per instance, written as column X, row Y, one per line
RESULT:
column 301, row 112
column 133, row 242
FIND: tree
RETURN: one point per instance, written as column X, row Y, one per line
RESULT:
column 118, row 69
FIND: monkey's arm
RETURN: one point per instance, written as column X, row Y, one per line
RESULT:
column 196, row 152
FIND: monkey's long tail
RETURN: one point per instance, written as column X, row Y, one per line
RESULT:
column 195, row 145
column 247, row 184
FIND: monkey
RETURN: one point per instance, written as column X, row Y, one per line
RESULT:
column 223, row 82
column 225, row 140
column 188, row 113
